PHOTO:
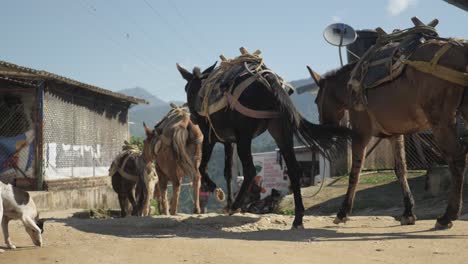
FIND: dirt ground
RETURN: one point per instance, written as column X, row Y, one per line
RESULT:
column 242, row 238
column 248, row 238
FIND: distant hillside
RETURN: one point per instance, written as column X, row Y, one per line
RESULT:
column 150, row 114
column 301, row 82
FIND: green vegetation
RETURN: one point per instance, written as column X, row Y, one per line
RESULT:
column 382, row 177
column 137, row 141
column 287, row 211
column 154, row 203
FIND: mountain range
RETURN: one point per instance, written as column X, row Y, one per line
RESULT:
column 158, row 108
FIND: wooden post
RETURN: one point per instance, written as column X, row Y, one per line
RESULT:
column 40, row 136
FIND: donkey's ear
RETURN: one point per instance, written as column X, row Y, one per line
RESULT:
column 317, row 78
column 147, row 130
column 185, row 74
column 210, row 69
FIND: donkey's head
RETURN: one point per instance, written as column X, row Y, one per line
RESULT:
column 332, row 96
column 150, row 144
column 194, row 82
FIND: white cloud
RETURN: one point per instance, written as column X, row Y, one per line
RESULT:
column 336, row 18
column 395, row 7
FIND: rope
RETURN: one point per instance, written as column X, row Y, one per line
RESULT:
column 401, row 34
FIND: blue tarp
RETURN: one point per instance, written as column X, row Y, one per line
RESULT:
column 11, row 148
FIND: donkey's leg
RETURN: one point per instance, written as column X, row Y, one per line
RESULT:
column 358, row 151
column 398, row 143
column 163, row 192
column 196, row 193
column 284, row 139
column 124, row 205
column 150, row 185
column 175, row 195
column 248, row 168
column 158, row 196
column 228, row 153
column 207, row 149
column 131, row 198
column 446, row 137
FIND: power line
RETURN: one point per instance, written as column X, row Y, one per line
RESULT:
column 198, row 33
column 172, row 28
column 149, row 65
column 145, row 33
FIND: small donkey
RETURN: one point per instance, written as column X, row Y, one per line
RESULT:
column 16, row 204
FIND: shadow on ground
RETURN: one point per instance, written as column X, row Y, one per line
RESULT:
column 387, row 199
column 243, row 228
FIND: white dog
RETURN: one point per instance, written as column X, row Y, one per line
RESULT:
column 16, row 204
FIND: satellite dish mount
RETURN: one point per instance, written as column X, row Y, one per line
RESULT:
column 340, row 35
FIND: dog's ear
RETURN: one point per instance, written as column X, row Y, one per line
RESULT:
column 40, row 224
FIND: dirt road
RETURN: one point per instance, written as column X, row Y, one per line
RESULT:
column 242, row 238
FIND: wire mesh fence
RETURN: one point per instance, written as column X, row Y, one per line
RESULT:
column 17, row 134
column 421, row 153
column 82, row 134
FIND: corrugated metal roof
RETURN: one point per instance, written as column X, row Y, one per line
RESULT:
column 10, row 70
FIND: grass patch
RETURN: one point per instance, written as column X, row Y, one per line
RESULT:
column 286, row 211
column 154, row 203
column 382, row 177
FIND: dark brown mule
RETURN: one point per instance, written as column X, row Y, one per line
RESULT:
column 178, row 154
column 234, row 127
column 414, row 102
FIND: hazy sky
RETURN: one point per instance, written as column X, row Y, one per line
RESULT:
column 122, row 44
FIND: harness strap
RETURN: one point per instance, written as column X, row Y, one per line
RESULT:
column 125, row 174
column 259, row 114
column 440, row 71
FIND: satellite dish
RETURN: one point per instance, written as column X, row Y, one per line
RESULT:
column 340, row 35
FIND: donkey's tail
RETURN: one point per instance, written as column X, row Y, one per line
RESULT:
column 327, row 139
column 179, row 147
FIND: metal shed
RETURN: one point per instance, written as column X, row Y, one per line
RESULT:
column 58, row 133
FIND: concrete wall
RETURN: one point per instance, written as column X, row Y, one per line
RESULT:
column 84, row 198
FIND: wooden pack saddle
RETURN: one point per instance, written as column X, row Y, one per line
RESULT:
column 226, row 83
column 387, row 59
column 384, row 61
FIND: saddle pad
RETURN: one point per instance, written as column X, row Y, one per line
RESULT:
column 233, row 80
column 383, row 63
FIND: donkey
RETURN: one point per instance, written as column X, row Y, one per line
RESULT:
column 178, row 154
column 133, row 172
column 234, row 127
column 414, row 102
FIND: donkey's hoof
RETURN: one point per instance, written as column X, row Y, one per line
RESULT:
column 440, row 226
column 340, row 220
column 408, row 220
column 297, row 227
column 234, row 211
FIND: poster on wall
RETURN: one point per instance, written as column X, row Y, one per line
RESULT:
column 270, row 174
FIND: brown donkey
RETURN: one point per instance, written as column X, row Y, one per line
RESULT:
column 178, row 154
column 414, row 102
